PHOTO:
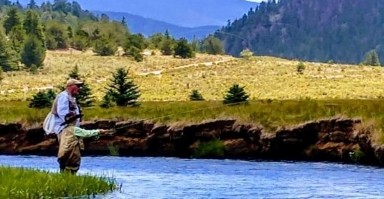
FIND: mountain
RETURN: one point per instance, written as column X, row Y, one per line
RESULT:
column 147, row 27
column 316, row 30
column 186, row 13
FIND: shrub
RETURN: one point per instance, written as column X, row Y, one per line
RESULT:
column 211, row 149
column 235, row 95
column 300, row 68
column 196, row 96
column 41, row 99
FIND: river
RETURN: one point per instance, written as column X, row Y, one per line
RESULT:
column 143, row 177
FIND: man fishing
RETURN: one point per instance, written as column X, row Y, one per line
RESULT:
column 71, row 143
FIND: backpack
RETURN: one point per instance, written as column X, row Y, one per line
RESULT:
column 49, row 121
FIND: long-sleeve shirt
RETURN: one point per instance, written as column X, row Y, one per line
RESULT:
column 85, row 133
column 63, row 109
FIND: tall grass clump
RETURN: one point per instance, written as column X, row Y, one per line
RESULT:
column 210, row 149
column 30, row 184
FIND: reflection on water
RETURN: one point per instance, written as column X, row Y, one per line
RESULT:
column 186, row 178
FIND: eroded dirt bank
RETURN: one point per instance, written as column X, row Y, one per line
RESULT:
column 335, row 139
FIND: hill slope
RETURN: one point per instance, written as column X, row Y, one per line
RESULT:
column 318, row 30
column 263, row 77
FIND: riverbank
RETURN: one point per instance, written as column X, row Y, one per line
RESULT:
column 336, row 139
column 32, row 183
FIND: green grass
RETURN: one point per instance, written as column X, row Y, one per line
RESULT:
column 270, row 113
column 29, row 184
column 214, row 148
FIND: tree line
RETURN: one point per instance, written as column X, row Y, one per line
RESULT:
column 315, row 30
column 27, row 33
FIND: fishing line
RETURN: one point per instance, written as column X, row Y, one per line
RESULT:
column 184, row 112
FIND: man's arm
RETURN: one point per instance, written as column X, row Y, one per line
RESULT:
column 86, row 133
column 62, row 106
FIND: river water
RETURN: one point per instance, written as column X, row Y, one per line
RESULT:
column 199, row 178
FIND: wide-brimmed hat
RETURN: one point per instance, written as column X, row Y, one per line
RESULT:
column 71, row 82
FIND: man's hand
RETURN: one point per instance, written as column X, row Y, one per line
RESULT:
column 106, row 132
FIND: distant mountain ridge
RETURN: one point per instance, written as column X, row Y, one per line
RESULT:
column 147, row 27
column 186, row 13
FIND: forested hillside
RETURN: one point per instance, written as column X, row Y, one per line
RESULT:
column 316, row 30
column 26, row 33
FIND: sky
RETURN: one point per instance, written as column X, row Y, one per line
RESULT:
column 187, row 13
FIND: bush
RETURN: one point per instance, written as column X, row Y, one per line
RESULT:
column 42, row 99
column 196, row 96
column 211, row 149
column 300, row 68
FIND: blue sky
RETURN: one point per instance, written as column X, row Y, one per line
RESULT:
column 188, row 13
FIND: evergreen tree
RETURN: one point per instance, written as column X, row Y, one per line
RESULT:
column 107, row 101
column 8, row 57
column 212, row 45
column 122, row 89
column 32, row 4
column 183, row 49
column 18, row 5
column 372, row 59
column 134, row 46
column 80, row 40
column 1, row 74
column 56, row 35
column 13, row 19
column 155, row 40
column 40, row 100
column 105, row 47
column 32, row 26
column 33, row 52
column 16, row 39
column 195, row 96
column 235, row 95
column 167, row 44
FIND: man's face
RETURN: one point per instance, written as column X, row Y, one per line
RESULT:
column 74, row 89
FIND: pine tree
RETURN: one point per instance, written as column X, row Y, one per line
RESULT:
column 196, row 96
column 32, row 4
column 40, row 100
column 235, row 95
column 16, row 38
column 33, row 52
column 134, row 46
column 12, row 20
column 122, row 89
column 167, row 44
column 32, row 26
column 372, row 59
column 212, row 45
column 183, row 49
column 105, row 46
column 1, row 74
column 8, row 57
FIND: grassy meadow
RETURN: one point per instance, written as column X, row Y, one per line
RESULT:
column 164, row 78
column 33, row 183
column 279, row 95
